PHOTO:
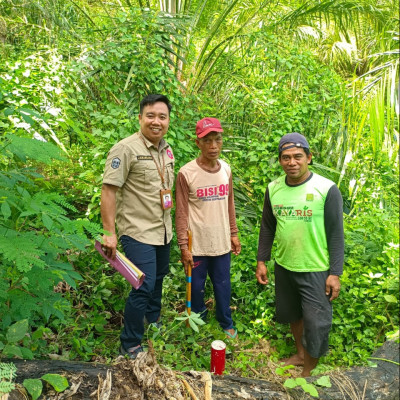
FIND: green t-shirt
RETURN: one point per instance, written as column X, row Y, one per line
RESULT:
column 300, row 229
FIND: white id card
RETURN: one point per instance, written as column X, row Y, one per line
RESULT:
column 166, row 198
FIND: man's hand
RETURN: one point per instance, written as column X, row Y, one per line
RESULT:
column 108, row 210
column 187, row 259
column 109, row 245
column 261, row 273
column 332, row 287
column 236, row 247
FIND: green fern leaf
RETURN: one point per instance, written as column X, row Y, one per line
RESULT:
column 93, row 229
column 7, row 371
column 21, row 249
column 61, row 200
column 25, row 148
column 6, row 387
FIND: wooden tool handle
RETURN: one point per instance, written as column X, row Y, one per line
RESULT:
column 189, row 280
column 190, row 237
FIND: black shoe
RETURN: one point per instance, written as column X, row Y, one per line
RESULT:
column 132, row 352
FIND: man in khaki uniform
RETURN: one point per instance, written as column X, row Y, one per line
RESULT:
column 137, row 183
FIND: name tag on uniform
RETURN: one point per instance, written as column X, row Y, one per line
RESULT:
column 166, row 199
column 144, row 157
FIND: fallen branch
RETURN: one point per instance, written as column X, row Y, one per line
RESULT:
column 190, row 390
column 207, row 385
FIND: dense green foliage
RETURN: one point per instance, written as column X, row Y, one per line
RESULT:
column 71, row 77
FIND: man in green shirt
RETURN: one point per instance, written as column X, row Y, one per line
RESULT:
column 303, row 213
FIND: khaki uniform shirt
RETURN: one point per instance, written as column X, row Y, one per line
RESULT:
column 131, row 167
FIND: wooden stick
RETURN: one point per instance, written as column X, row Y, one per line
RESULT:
column 189, row 280
column 190, row 390
column 207, row 385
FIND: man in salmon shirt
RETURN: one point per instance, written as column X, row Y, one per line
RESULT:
column 205, row 205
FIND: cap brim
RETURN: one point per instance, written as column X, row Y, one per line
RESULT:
column 207, row 131
column 281, row 147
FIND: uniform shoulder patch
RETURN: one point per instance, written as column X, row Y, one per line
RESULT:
column 115, row 163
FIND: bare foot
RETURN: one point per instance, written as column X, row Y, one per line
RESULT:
column 295, row 360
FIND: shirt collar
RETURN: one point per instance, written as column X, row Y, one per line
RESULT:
column 162, row 145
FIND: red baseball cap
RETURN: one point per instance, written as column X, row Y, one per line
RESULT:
column 207, row 125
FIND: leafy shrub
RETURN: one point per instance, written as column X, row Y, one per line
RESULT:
column 35, row 238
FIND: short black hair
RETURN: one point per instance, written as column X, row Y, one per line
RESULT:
column 307, row 151
column 150, row 99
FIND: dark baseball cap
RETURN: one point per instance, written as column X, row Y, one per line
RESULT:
column 297, row 139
